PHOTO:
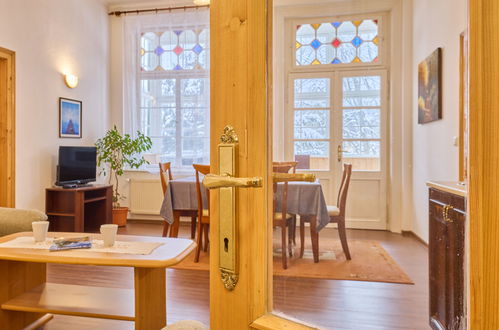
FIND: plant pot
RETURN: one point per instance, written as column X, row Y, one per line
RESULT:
column 119, row 216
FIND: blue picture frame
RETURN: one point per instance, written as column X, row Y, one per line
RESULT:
column 70, row 118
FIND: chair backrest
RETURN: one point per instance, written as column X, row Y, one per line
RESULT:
column 303, row 162
column 292, row 164
column 279, row 168
column 203, row 169
column 343, row 192
column 164, row 170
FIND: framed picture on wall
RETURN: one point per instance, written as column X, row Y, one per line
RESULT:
column 430, row 88
column 70, row 118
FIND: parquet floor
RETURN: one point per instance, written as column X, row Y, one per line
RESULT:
column 326, row 303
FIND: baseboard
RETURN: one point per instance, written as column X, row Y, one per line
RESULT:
column 409, row 233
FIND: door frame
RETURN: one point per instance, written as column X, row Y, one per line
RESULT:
column 7, row 126
column 483, row 161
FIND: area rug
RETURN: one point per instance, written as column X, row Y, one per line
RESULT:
column 370, row 262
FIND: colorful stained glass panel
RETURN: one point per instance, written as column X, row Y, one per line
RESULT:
column 175, row 50
column 337, row 42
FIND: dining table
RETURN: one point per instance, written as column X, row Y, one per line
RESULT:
column 305, row 199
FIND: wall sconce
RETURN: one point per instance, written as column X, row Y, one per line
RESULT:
column 71, row 80
column 201, row 2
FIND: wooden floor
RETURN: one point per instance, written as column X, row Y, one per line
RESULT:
column 326, row 303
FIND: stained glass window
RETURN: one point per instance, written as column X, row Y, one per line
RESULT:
column 337, row 42
column 175, row 94
column 175, row 50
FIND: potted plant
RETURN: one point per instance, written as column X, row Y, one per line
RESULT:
column 120, row 151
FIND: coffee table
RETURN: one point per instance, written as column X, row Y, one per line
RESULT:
column 27, row 300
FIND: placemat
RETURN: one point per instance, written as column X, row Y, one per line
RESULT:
column 143, row 248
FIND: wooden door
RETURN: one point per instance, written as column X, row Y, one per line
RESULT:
column 483, row 161
column 7, row 128
column 241, row 33
column 240, row 59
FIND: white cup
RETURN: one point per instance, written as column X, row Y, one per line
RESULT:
column 109, row 234
column 40, row 229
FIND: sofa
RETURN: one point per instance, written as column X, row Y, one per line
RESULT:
column 18, row 220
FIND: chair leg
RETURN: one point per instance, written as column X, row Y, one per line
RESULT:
column 284, row 252
column 302, row 236
column 193, row 227
column 199, row 240
column 206, row 237
column 166, row 226
column 290, row 238
column 343, row 238
column 293, row 230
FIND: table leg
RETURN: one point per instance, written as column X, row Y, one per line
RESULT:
column 314, row 235
column 17, row 277
column 176, row 223
column 150, row 298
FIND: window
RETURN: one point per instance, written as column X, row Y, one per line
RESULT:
column 337, row 42
column 311, row 122
column 335, row 93
column 175, row 94
column 361, row 111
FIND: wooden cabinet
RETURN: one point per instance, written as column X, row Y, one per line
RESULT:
column 79, row 209
column 446, row 260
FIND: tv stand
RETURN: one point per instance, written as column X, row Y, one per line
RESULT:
column 81, row 209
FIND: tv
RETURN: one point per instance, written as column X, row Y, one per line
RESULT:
column 77, row 166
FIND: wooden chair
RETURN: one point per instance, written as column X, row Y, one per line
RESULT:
column 292, row 166
column 336, row 213
column 282, row 219
column 203, row 213
column 165, row 173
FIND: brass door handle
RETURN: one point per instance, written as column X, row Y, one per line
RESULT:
column 286, row 177
column 340, row 152
column 213, row 181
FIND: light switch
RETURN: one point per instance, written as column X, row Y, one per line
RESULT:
column 455, row 140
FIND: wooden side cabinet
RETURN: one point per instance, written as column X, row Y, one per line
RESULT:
column 446, row 260
column 79, row 209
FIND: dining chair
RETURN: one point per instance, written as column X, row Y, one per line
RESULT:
column 291, row 167
column 203, row 226
column 282, row 219
column 336, row 213
column 284, row 164
column 165, row 173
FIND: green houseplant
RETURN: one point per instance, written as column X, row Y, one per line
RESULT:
column 118, row 151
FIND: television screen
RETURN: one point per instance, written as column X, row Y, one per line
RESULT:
column 76, row 165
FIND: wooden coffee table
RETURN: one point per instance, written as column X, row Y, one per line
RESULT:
column 27, row 300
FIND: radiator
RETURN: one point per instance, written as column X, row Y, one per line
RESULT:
column 146, row 196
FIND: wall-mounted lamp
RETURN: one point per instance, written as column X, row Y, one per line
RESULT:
column 71, row 80
column 201, row 2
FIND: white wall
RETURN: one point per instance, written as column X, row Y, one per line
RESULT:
column 437, row 23
column 51, row 37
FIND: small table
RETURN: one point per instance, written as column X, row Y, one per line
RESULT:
column 26, row 298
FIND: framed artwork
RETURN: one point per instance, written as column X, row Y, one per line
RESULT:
column 69, row 118
column 430, row 88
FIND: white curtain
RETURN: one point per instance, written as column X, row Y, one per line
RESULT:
column 150, row 53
